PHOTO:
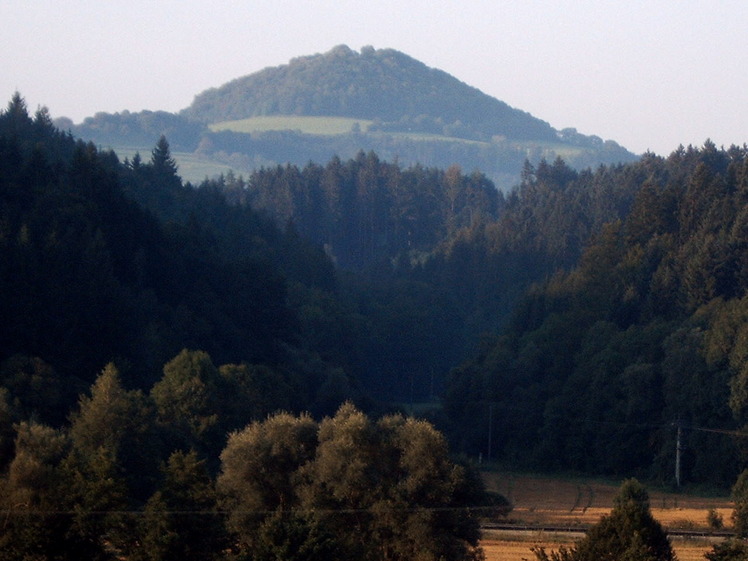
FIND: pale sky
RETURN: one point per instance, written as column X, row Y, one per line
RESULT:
column 648, row 74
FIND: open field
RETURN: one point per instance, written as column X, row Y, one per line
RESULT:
column 517, row 550
column 327, row 126
column 569, row 502
column 577, row 504
column 324, row 126
column 192, row 167
column 306, row 125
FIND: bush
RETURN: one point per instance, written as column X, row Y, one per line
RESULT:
column 714, row 519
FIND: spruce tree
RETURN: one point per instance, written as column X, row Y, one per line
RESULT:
column 628, row 533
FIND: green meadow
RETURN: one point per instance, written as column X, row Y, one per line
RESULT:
column 329, row 126
column 307, row 125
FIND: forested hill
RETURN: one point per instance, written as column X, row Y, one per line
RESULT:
column 643, row 339
column 121, row 438
column 374, row 84
column 89, row 276
column 341, row 102
column 635, row 323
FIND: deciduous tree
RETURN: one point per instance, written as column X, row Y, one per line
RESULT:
column 38, row 520
column 259, row 471
column 386, row 490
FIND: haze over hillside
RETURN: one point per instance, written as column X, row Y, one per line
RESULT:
column 380, row 100
column 374, row 84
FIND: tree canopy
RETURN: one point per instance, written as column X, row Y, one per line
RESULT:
column 386, row 489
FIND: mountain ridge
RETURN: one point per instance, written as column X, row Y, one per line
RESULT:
column 414, row 114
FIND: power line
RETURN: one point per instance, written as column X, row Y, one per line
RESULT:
column 587, row 420
column 369, row 510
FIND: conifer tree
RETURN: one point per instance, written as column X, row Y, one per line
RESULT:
column 163, row 163
column 628, row 533
column 740, row 497
column 181, row 522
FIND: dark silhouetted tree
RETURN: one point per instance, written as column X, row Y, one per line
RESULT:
column 628, row 533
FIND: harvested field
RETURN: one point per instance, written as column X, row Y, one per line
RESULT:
column 577, row 504
column 500, row 550
column 539, row 500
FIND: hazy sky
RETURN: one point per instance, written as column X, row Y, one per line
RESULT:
column 647, row 74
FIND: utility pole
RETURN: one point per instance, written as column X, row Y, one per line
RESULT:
column 490, row 430
column 678, row 449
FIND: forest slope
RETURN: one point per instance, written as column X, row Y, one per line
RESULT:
column 634, row 330
column 89, row 275
column 639, row 349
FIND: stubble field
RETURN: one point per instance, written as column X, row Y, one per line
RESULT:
column 577, row 504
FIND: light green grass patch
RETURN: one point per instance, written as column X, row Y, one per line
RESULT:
column 329, row 126
column 190, row 167
column 308, row 125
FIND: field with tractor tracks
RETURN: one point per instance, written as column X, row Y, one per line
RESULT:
column 551, row 512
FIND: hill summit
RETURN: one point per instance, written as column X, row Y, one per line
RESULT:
column 342, row 102
column 383, row 84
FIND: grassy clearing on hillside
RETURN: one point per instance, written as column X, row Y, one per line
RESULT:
column 329, row 126
column 191, row 167
column 308, row 125
column 432, row 137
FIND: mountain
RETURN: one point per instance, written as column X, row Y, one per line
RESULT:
column 343, row 102
column 384, row 85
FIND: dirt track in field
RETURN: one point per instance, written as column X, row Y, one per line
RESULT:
column 547, row 501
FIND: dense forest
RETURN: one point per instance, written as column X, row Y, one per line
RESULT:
column 157, row 339
column 603, row 307
column 161, row 336
column 603, row 364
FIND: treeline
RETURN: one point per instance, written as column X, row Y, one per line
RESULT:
column 499, row 159
column 137, row 129
column 365, row 210
column 151, row 476
column 604, row 364
column 89, row 276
